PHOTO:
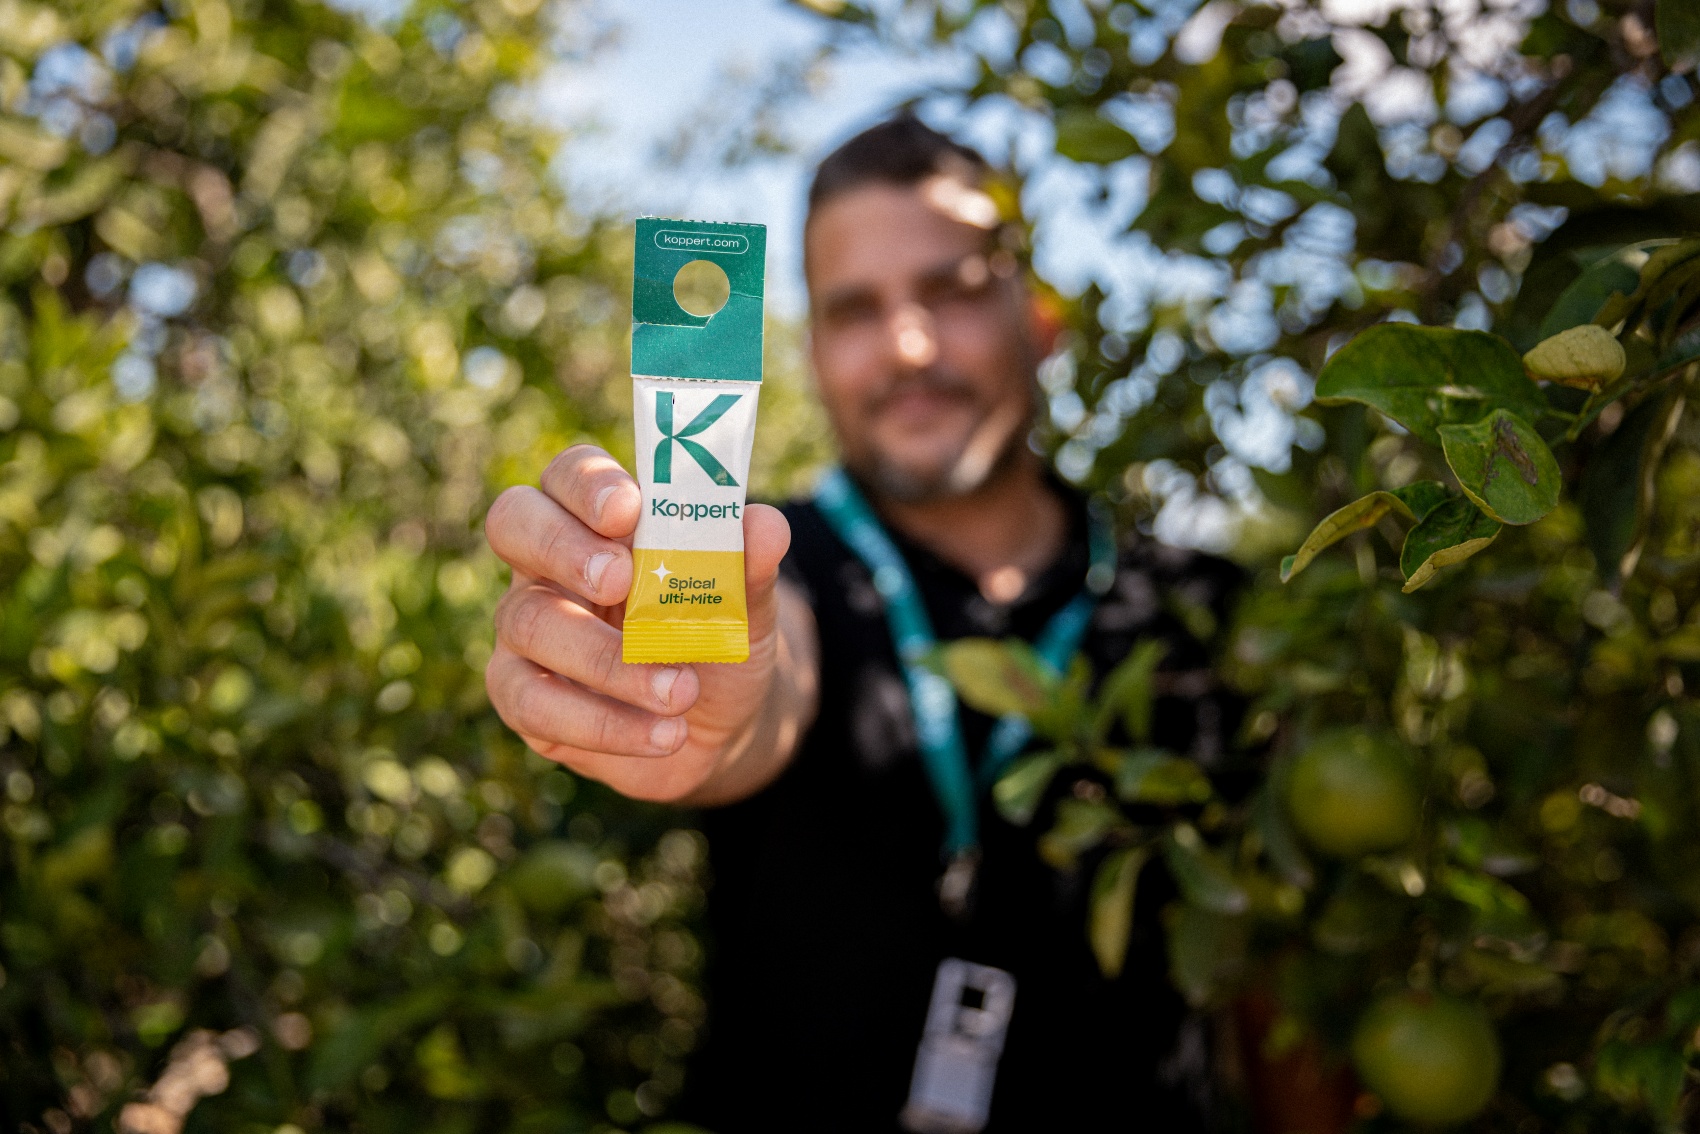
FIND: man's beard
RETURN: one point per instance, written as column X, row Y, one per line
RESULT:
column 989, row 450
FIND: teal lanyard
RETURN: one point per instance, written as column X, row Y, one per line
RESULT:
column 938, row 727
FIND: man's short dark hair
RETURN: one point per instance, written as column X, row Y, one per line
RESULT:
column 901, row 151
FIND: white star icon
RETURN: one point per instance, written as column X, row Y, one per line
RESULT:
column 661, row 574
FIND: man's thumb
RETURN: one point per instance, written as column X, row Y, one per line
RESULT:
column 767, row 537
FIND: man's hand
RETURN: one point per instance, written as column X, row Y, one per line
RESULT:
column 676, row 733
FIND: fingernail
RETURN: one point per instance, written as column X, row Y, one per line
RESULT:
column 662, row 683
column 667, row 733
column 595, row 566
column 601, row 500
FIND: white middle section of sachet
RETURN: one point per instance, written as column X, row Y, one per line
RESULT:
column 729, row 439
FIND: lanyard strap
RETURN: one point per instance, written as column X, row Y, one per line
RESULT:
column 931, row 698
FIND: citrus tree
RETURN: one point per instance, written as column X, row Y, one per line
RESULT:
column 1406, row 276
column 285, row 295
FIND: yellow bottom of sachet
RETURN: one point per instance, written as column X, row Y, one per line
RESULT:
column 686, row 606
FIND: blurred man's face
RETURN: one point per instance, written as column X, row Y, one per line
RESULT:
column 921, row 335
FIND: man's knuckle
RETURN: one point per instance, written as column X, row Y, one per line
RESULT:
column 561, row 473
column 508, row 619
column 603, row 659
column 531, row 707
column 499, row 518
column 556, row 540
column 612, row 732
column 526, row 619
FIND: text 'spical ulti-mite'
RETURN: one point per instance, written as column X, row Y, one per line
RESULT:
column 695, row 381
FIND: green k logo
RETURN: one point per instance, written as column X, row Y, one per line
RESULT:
column 710, row 414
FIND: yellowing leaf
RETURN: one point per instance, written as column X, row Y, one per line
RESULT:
column 1450, row 534
column 995, row 677
column 1414, row 501
column 1111, row 918
column 1585, row 357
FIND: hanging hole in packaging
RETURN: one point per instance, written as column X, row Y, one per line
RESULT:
column 701, row 287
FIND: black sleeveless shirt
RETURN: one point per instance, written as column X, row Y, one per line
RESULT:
column 824, row 918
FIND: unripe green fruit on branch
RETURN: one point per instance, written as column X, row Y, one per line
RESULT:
column 1432, row 1059
column 1352, row 792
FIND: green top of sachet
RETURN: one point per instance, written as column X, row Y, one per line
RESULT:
column 670, row 342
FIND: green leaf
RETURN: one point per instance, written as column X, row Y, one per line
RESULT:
column 1358, row 917
column 553, row 875
column 1280, row 841
column 1414, row 501
column 1617, row 273
column 1426, row 377
column 1684, row 350
column 1669, row 273
column 1499, row 908
column 1617, row 487
column 1129, row 692
column 1643, row 1074
column 1019, row 790
column 1085, row 135
column 1206, row 951
column 1584, row 357
column 361, row 1036
column 1668, row 267
column 1111, row 917
column 1160, row 779
column 1677, row 23
column 1496, row 975
column 1450, row 534
column 1205, row 880
column 1081, row 825
column 1504, row 467
column 997, row 678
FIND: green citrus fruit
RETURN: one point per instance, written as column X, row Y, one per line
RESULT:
column 1352, row 792
column 1433, row 1060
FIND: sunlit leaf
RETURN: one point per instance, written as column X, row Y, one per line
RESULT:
column 1426, row 377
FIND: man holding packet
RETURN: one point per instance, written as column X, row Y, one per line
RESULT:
column 888, row 953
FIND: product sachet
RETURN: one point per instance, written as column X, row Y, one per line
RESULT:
column 695, row 379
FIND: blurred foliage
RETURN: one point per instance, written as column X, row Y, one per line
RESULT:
column 1271, row 180
column 286, row 293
